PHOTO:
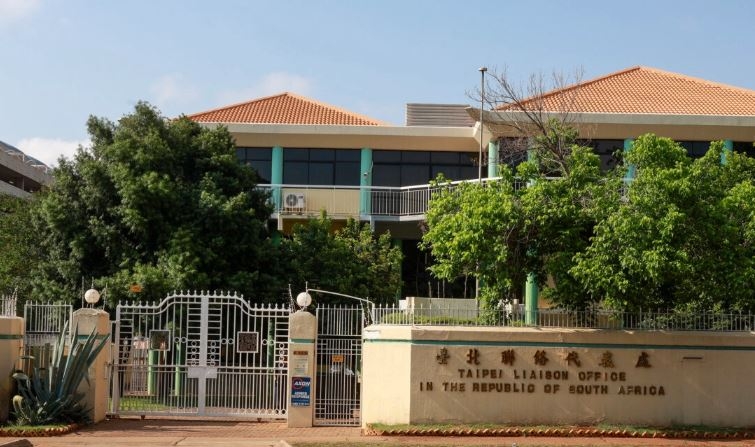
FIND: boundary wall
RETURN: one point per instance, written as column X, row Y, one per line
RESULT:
column 95, row 387
column 11, row 342
column 533, row 376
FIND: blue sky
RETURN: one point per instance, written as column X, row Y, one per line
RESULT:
column 63, row 60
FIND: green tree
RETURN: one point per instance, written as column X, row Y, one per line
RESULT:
column 560, row 217
column 679, row 236
column 378, row 271
column 351, row 260
column 683, row 236
column 499, row 233
column 19, row 244
column 156, row 202
column 478, row 230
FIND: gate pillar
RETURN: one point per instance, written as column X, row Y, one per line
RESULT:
column 302, row 340
column 11, row 340
column 96, row 390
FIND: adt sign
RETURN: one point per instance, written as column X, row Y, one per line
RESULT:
column 300, row 391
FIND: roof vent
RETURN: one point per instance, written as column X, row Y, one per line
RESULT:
column 438, row 115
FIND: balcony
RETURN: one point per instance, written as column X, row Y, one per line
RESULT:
column 359, row 202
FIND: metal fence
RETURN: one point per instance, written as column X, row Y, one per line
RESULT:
column 516, row 316
column 44, row 322
column 8, row 305
column 339, row 365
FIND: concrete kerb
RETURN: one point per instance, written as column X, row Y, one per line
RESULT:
column 163, row 432
column 16, row 443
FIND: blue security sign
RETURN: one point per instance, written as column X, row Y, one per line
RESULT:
column 300, row 391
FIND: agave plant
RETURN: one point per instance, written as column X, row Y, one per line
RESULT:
column 51, row 394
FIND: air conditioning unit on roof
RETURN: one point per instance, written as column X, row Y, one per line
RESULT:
column 294, row 201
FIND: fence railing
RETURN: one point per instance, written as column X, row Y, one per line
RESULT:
column 45, row 321
column 8, row 305
column 516, row 316
column 355, row 200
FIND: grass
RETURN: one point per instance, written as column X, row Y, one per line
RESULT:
column 144, row 403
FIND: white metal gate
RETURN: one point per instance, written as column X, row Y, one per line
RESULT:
column 339, row 366
column 200, row 354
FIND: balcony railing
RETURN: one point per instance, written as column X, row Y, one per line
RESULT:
column 355, row 201
column 404, row 201
column 310, row 200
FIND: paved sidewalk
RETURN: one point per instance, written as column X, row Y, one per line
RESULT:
column 163, row 432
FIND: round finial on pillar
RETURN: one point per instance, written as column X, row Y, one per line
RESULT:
column 92, row 296
column 303, row 299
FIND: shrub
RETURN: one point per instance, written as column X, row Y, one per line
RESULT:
column 51, row 394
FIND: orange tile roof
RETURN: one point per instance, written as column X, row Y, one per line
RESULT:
column 644, row 90
column 285, row 108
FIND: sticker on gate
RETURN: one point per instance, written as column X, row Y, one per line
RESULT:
column 159, row 340
column 248, row 342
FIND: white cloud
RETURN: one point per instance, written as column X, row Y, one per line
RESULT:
column 270, row 84
column 48, row 150
column 14, row 10
column 173, row 89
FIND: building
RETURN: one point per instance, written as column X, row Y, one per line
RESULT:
column 20, row 174
column 609, row 111
column 314, row 156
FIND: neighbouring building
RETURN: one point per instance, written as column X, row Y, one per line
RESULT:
column 20, row 174
column 313, row 156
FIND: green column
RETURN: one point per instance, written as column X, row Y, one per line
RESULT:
column 152, row 361
column 728, row 148
column 276, row 176
column 365, row 181
column 531, row 289
column 178, row 375
column 530, row 300
column 631, row 170
column 493, row 159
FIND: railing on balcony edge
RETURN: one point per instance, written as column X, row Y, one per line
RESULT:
column 291, row 199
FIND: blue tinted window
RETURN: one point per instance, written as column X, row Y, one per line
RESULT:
column 386, row 156
column 295, row 154
column 296, row 172
column 259, row 158
column 321, row 154
column 319, row 166
column 386, row 175
column 263, row 168
column 347, row 173
column 451, row 158
column 406, row 168
column 745, row 147
column 415, row 157
column 320, row 174
column 348, row 155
